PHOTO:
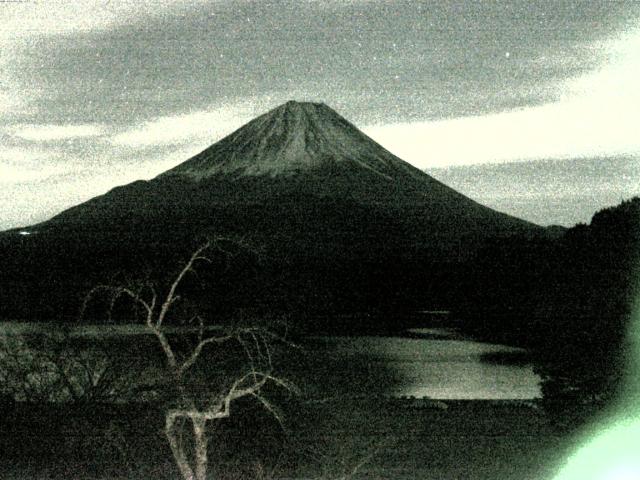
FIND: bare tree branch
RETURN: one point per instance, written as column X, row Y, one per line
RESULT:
column 171, row 296
column 255, row 342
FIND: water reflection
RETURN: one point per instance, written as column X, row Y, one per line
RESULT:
column 436, row 366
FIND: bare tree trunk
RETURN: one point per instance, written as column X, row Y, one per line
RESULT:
column 178, row 452
column 254, row 341
column 200, row 438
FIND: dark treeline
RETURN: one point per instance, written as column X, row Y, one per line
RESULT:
column 568, row 299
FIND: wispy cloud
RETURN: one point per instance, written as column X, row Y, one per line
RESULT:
column 205, row 125
column 596, row 116
column 38, row 191
column 28, row 155
column 8, row 102
column 13, row 174
column 27, row 19
column 617, row 81
column 563, row 130
column 49, row 133
column 340, row 3
column 20, row 165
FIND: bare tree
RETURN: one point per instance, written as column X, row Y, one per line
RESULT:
column 195, row 406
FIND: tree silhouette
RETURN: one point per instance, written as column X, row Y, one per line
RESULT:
column 184, row 347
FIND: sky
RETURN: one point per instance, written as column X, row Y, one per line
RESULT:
column 555, row 191
column 97, row 93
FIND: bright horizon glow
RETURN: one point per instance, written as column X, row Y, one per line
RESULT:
column 561, row 130
column 596, row 116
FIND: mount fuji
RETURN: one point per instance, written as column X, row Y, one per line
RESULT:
column 339, row 217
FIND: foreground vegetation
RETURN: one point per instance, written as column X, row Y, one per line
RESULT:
column 356, row 438
column 114, row 426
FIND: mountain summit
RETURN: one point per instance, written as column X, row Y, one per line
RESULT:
column 293, row 138
column 296, row 157
column 303, row 148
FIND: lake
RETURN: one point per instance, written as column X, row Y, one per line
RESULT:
column 431, row 362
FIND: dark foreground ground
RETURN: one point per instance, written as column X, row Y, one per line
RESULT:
column 372, row 438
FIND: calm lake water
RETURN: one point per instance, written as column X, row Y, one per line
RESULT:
column 433, row 363
column 439, row 365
